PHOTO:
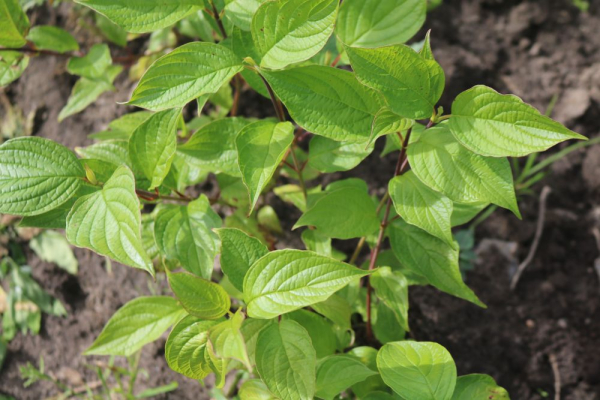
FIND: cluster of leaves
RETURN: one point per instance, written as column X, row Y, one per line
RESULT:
column 299, row 322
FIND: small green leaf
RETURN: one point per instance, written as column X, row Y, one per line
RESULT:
column 367, row 356
column 188, row 72
column 152, row 145
column 184, row 234
column 201, row 298
column 255, row 389
column 261, row 147
column 478, row 387
column 392, row 289
column 93, row 65
column 12, row 66
column 386, row 122
column 286, row 361
column 115, row 152
column 327, row 155
column 319, row 329
column 411, row 84
column 53, row 247
column 465, row 212
column 240, row 12
column 36, row 176
column 122, row 128
column 109, row 222
column 418, row 370
column 287, row 280
column 250, row 329
column 377, row 23
column 315, row 241
column 14, row 24
column 53, row 38
column 387, row 327
column 111, row 31
column 327, row 101
column 228, row 341
column 421, row 206
column 337, row 309
column 139, row 322
column 141, row 16
column 289, row 31
column 491, row 124
column 337, row 373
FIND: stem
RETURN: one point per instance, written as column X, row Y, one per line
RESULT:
column 153, row 196
column 276, row 103
column 336, row 60
column 45, row 52
column 237, row 83
column 298, row 171
column 218, row 19
column 363, row 240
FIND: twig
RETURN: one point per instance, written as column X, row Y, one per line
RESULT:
column 218, row 19
column 536, row 240
column 152, row 196
column 596, row 234
column 556, row 373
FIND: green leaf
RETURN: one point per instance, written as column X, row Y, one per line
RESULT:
column 387, row 327
column 337, row 373
column 228, row 341
column 111, row 31
column 53, row 247
column 255, row 389
column 186, row 346
column 115, row 152
column 12, row 66
column 337, row 309
column 491, row 124
column 286, row 361
column 421, row 206
column 93, row 65
column 238, row 252
column 261, row 147
column 250, row 329
column 431, row 258
column 14, row 24
column 411, row 84
column 36, row 175
column 386, row 122
column 240, row 12
column 327, row 155
column 152, row 145
column 188, row 72
column 345, row 213
column 289, row 31
column 109, row 222
column 212, row 147
column 367, row 356
column 139, row 322
column 53, row 38
column 141, row 16
column 184, row 234
column 327, row 101
column 287, row 280
column 122, row 128
column 463, row 213
column 315, row 241
column 377, row 23
column 418, row 370
column 446, row 166
column 319, row 329
column 392, row 289
column 200, row 297
column 478, row 387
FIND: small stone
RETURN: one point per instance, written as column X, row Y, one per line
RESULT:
column 530, row 324
column 562, row 323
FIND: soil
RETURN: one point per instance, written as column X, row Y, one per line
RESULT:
column 530, row 48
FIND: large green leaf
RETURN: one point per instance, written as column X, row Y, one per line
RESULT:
column 418, row 370
column 478, row 387
column 199, row 297
column 286, row 361
column 152, row 145
column 287, row 280
column 327, row 155
column 496, row 125
column 141, row 16
column 139, row 322
column 337, row 373
column 431, row 258
column 238, row 252
column 446, row 166
column 12, row 66
column 53, row 38
column 422, row 206
column 184, row 234
column 255, row 389
column 392, row 288
column 261, row 147
column 109, row 222
column 14, row 24
column 411, row 84
column 212, row 147
column 188, row 72
column 327, row 101
column 36, row 175
column 345, row 213
column 377, row 23
column 240, row 12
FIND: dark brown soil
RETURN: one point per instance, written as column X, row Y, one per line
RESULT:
column 534, row 49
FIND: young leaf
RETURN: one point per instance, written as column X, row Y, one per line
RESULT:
column 201, row 298
column 337, row 309
column 287, row 280
column 52, row 38
column 446, row 166
column 411, row 84
column 286, row 361
column 14, row 24
column 431, row 258
column 319, row 329
column 93, row 65
column 139, row 322
column 289, row 31
column 261, row 147
column 228, row 341
column 345, row 213
column 386, row 122
column 238, row 252
column 109, row 222
column 478, row 387
column 184, row 234
column 240, row 12
column 53, row 247
column 418, row 370
column 123, row 127
column 36, row 176
column 152, row 145
column 378, row 23
column 392, row 289
column 188, row 72
column 141, row 16
column 115, row 152
column 12, row 66
column 337, row 373
column 255, row 389
column 421, row 206
column 327, row 155
column 491, row 124
column 327, row 101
